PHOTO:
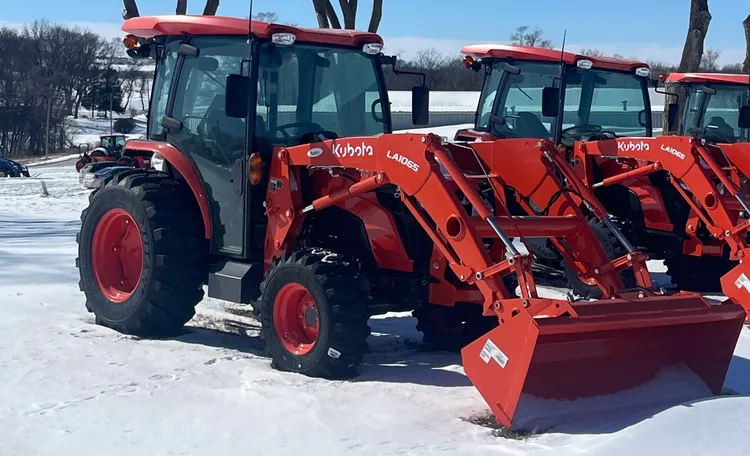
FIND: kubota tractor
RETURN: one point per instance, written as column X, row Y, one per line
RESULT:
column 277, row 182
column 676, row 198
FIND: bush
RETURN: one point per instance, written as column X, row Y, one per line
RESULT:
column 124, row 125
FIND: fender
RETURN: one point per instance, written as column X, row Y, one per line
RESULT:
column 182, row 164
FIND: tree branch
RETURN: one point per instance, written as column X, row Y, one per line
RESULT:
column 349, row 14
column 331, row 13
column 211, row 7
column 181, row 7
column 320, row 13
column 377, row 15
column 131, row 9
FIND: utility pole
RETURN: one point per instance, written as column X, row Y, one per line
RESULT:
column 49, row 114
column 111, row 121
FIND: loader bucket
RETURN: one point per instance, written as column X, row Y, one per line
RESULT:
column 542, row 372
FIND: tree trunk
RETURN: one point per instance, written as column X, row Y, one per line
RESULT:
column 377, row 15
column 181, row 7
column 333, row 18
column 746, row 26
column 349, row 9
column 692, row 53
column 211, row 7
column 131, row 9
column 320, row 13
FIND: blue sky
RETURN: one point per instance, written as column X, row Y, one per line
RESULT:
column 636, row 28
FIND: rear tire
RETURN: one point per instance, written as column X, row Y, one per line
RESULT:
column 699, row 274
column 614, row 250
column 330, row 299
column 162, row 259
column 452, row 328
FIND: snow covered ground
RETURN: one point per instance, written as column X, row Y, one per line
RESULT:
column 70, row 387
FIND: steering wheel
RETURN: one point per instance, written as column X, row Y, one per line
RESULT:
column 282, row 128
column 581, row 130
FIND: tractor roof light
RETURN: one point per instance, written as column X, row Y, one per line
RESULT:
column 284, row 39
column 643, row 72
column 662, row 78
column 584, row 64
column 372, row 48
column 130, row 41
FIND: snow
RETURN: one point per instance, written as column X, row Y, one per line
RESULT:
column 70, row 386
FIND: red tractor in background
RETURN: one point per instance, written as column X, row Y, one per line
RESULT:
column 111, row 149
column 277, row 181
column 670, row 196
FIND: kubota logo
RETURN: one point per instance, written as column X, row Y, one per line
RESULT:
column 403, row 160
column 631, row 146
column 347, row 150
column 674, row 152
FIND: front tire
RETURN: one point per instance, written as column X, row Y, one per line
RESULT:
column 452, row 328
column 700, row 274
column 142, row 255
column 314, row 314
column 614, row 250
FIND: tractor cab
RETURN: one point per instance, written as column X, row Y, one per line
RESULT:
column 547, row 94
column 717, row 106
column 224, row 105
column 112, row 144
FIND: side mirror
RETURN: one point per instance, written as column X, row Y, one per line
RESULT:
column 420, row 106
column 550, row 101
column 389, row 60
column 673, row 112
column 237, row 96
column 744, row 120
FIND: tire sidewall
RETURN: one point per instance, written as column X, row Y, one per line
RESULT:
column 294, row 273
column 109, row 198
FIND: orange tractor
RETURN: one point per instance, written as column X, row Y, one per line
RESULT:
column 277, row 181
column 679, row 199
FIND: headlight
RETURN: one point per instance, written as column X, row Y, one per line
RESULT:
column 157, row 162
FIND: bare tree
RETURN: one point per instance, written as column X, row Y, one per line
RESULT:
column 328, row 17
column 591, row 52
column 710, row 60
column 746, row 64
column 522, row 36
column 692, row 54
column 131, row 8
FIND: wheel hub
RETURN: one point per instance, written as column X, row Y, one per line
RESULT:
column 117, row 255
column 295, row 318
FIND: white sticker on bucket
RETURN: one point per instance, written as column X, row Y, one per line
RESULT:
column 743, row 281
column 490, row 350
column 333, row 353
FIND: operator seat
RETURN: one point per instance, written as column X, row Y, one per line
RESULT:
column 528, row 125
column 723, row 128
column 229, row 132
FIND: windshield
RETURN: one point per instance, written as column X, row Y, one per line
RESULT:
column 308, row 89
column 718, row 113
column 595, row 100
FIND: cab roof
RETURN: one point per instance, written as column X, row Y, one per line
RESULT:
column 504, row 51
column 709, row 77
column 151, row 26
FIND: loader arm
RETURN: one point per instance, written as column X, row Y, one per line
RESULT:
column 696, row 170
column 548, row 348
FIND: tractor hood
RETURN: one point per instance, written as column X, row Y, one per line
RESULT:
column 13, row 165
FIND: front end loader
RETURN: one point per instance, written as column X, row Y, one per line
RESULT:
column 680, row 199
column 269, row 198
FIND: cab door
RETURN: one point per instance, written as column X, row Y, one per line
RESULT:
column 215, row 142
